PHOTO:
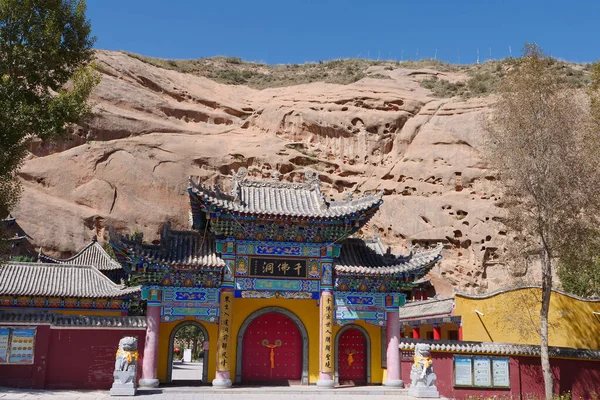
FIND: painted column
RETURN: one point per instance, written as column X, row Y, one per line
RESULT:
column 326, row 349
column 151, row 347
column 224, row 357
column 394, row 378
column 415, row 332
column 223, row 377
column 437, row 332
column 460, row 332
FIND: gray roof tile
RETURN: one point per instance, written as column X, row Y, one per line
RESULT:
column 427, row 308
column 359, row 256
column 59, row 280
column 56, row 319
column 188, row 248
column 280, row 198
column 93, row 254
column 454, row 346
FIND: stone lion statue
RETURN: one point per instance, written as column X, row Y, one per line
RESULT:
column 421, row 373
column 127, row 354
column 125, row 368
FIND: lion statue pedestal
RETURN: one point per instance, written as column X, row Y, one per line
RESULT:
column 421, row 374
column 125, row 368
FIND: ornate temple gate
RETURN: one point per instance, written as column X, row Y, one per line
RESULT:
column 352, row 357
column 272, row 350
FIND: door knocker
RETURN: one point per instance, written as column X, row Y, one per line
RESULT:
column 272, row 347
column 351, row 354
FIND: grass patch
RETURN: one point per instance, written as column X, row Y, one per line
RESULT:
column 482, row 78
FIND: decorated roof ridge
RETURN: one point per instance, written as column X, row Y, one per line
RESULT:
column 427, row 308
column 84, row 321
column 92, row 254
column 358, row 256
column 497, row 348
column 176, row 247
column 280, row 198
column 521, row 287
column 58, row 280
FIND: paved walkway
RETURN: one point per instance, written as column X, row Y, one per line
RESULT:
column 208, row 393
column 187, row 371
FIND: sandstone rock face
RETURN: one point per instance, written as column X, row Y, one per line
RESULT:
column 128, row 167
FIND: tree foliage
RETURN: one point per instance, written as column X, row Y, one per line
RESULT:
column 45, row 78
column 541, row 144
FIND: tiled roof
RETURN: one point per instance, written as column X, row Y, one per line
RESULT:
column 427, row 308
column 454, row 346
column 92, row 254
column 58, row 280
column 359, row 256
column 188, row 248
column 56, row 319
column 281, row 198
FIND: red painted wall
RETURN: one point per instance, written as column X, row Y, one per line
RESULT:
column 581, row 378
column 71, row 359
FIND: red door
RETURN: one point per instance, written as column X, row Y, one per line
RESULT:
column 352, row 357
column 272, row 350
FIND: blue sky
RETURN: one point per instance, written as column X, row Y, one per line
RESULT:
column 283, row 31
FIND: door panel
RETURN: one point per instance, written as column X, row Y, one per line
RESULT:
column 352, row 357
column 272, row 350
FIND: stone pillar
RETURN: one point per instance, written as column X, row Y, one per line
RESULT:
column 326, row 349
column 416, row 333
column 151, row 347
column 223, row 378
column 394, row 377
column 437, row 332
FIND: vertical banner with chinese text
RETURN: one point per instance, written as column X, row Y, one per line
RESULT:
column 225, row 330
column 327, row 309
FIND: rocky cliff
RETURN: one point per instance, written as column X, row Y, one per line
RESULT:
column 128, row 167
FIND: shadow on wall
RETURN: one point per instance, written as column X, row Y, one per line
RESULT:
column 513, row 316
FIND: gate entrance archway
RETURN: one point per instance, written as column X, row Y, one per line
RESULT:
column 192, row 371
column 272, row 348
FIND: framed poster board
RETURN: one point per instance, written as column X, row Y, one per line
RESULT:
column 17, row 345
column 482, row 371
column 22, row 344
column 501, row 377
column 463, row 371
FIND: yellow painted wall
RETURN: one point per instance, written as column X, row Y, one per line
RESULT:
column 306, row 310
column 513, row 317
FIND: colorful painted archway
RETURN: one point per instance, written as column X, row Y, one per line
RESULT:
column 171, row 342
column 272, row 347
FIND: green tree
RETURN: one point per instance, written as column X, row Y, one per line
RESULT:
column 192, row 336
column 579, row 267
column 46, row 77
column 540, row 143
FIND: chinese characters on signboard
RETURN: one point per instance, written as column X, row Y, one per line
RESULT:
column 481, row 371
column 327, row 344
column 17, row 345
column 224, row 342
column 295, row 268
